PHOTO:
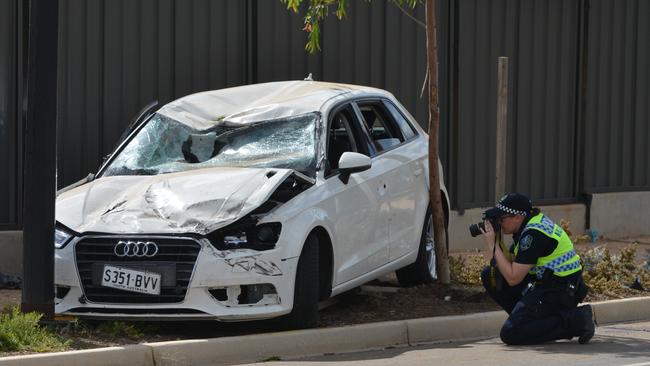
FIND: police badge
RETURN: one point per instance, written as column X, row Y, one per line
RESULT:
column 525, row 242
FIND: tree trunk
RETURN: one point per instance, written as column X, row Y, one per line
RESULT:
column 442, row 258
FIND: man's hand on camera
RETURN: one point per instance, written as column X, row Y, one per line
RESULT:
column 488, row 234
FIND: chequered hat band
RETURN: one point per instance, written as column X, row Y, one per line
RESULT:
column 510, row 210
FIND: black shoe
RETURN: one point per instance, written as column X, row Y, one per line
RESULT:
column 587, row 314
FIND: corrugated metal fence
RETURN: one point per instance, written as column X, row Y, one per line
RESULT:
column 579, row 84
column 616, row 115
column 540, row 38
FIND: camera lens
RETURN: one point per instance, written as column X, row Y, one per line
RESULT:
column 475, row 229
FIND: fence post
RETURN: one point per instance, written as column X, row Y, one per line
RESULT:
column 39, row 182
column 502, row 129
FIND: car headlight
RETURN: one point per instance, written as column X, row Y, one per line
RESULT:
column 61, row 238
column 260, row 237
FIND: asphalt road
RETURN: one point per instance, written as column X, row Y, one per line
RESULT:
column 613, row 345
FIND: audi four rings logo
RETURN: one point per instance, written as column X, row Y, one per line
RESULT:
column 135, row 249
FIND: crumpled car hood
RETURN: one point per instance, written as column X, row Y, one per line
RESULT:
column 198, row 201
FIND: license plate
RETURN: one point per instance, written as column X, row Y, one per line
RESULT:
column 131, row 280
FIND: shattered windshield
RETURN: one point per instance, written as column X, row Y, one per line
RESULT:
column 165, row 145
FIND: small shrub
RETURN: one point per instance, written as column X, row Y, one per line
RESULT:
column 611, row 275
column 467, row 270
column 566, row 226
column 120, row 329
column 22, row 332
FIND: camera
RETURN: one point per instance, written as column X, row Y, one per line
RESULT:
column 475, row 229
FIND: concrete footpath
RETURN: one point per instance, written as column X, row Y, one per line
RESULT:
column 311, row 342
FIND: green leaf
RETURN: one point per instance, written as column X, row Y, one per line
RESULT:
column 318, row 10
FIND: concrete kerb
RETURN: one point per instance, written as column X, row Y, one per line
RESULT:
column 137, row 355
column 302, row 343
column 455, row 328
column 259, row 347
column 621, row 311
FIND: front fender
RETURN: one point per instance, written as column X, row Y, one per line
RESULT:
column 297, row 228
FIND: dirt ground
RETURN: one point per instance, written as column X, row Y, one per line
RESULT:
column 384, row 300
column 379, row 300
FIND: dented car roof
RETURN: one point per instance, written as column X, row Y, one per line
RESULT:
column 251, row 103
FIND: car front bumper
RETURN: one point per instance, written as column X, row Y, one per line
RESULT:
column 232, row 285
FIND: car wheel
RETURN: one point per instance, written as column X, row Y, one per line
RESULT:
column 424, row 269
column 305, row 294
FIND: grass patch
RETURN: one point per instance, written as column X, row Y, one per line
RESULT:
column 21, row 332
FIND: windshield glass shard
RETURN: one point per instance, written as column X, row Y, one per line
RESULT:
column 165, row 145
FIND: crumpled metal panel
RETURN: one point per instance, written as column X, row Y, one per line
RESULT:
column 245, row 104
column 199, row 201
column 247, row 260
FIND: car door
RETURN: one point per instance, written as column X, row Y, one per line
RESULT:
column 360, row 235
column 402, row 173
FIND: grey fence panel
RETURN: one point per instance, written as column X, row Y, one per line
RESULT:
column 279, row 45
column 117, row 56
column 210, row 45
column 617, row 108
column 540, row 39
column 350, row 54
column 544, row 123
column 10, row 117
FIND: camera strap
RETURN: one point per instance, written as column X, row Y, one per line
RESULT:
column 506, row 251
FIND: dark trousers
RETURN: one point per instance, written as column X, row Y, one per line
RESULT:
column 540, row 315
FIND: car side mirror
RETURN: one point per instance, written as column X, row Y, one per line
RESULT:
column 352, row 162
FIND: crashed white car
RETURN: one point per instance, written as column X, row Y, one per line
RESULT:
column 248, row 203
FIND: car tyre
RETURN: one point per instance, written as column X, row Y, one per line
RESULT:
column 423, row 270
column 305, row 295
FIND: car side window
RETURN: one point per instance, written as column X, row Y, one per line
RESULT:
column 341, row 137
column 407, row 129
column 384, row 131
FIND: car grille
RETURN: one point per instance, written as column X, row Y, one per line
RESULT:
column 177, row 255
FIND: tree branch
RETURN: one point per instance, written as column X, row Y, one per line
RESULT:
column 416, row 20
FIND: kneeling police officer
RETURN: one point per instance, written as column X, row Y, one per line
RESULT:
column 538, row 281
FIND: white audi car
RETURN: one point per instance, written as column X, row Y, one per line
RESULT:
column 249, row 203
